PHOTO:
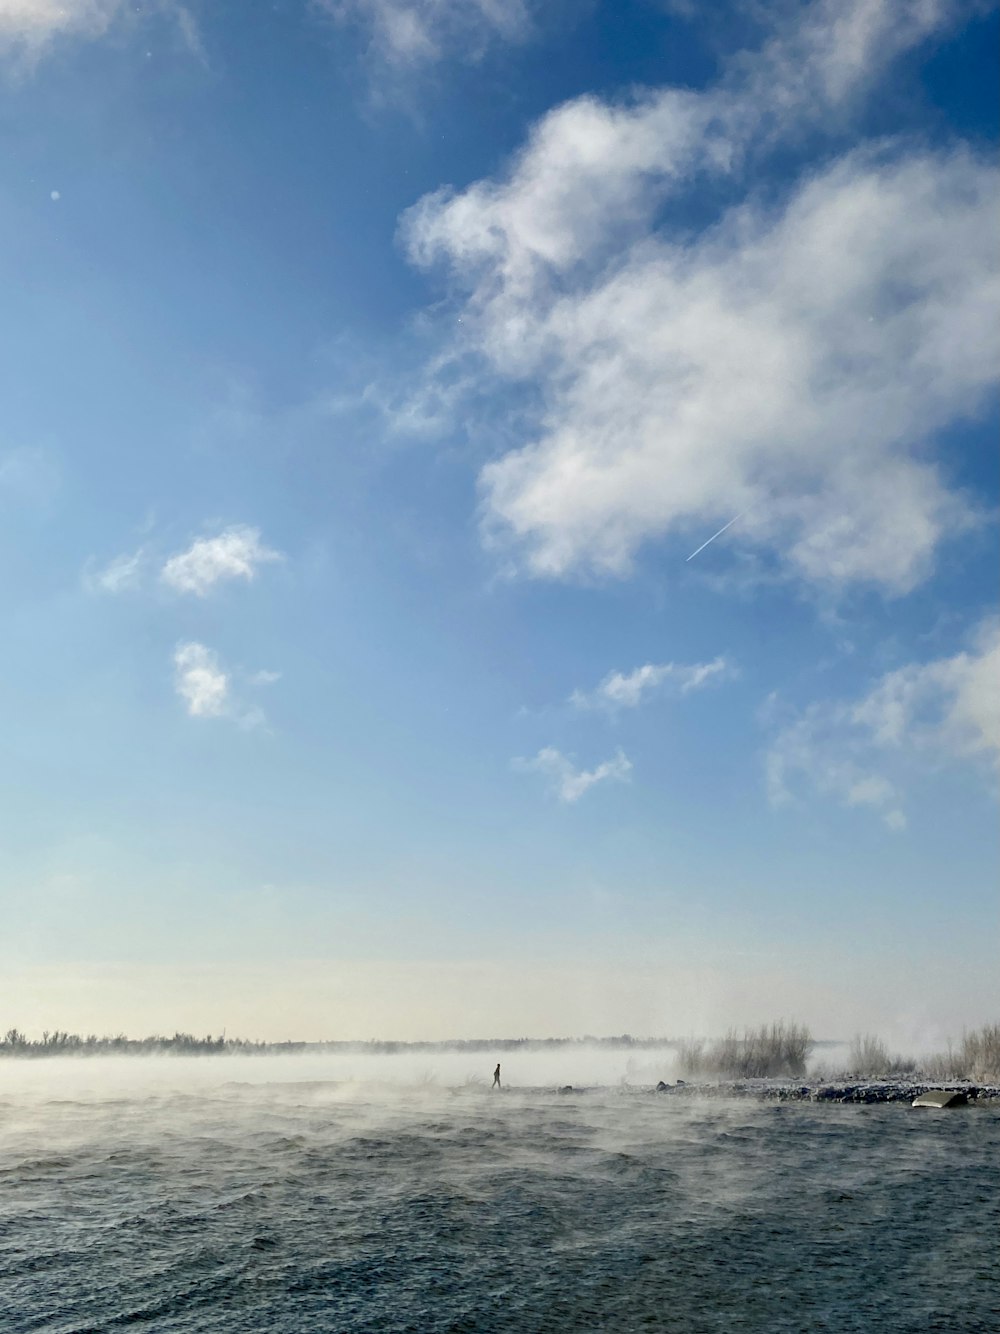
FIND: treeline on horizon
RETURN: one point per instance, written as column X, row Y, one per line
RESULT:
column 59, row 1043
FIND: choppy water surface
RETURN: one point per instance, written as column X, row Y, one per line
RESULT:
column 246, row 1197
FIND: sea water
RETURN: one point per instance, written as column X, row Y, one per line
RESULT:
column 225, row 1194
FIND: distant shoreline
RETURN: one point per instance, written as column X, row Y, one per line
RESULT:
column 769, row 1064
column 186, row 1044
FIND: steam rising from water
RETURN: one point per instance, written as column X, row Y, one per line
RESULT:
column 225, row 1195
column 345, row 1075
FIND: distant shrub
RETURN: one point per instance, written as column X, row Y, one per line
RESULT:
column 942, row 1065
column 869, row 1058
column 771, row 1051
column 977, row 1057
column 981, row 1053
column 691, row 1056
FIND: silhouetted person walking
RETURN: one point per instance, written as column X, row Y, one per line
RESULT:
column 496, row 1076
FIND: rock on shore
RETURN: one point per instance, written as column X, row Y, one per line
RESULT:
column 858, row 1091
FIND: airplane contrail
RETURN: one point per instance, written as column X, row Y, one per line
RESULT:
column 720, row 532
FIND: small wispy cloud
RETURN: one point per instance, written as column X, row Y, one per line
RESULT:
column 567, row 781
column 123, row 574
column 413, row 33
column 819, row 750
column 236, row 553
column 206, row 687
column 264, row 678
column 34, row 22
column 626, row 690
column 29, row 26
column 861, row 752
column 200, row 681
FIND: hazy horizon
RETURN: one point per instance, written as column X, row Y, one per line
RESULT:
column 315, row 1002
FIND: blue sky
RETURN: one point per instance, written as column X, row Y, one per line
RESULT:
column 371, row 370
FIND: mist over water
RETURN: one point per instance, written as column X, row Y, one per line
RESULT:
column 350, row 1193
column 581, row 1065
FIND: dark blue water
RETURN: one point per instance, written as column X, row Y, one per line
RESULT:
column 308, row 1205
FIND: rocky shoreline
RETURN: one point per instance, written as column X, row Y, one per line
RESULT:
column 853, row 1091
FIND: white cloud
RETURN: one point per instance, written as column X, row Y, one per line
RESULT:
column 235, row 554
column 200, row 681
column 264, row 678
column 207, row 688
column 838, row 48
column 29, row 26
column 33, row 22
column 861, row 752
column 593, row 172
column 408, row 33
column 950, row 706
column 569, row 783
column 819, row 749
column 792, row 359
column 619, row 690
column 123, row 574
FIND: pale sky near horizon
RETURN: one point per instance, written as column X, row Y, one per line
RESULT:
column 372, row 369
